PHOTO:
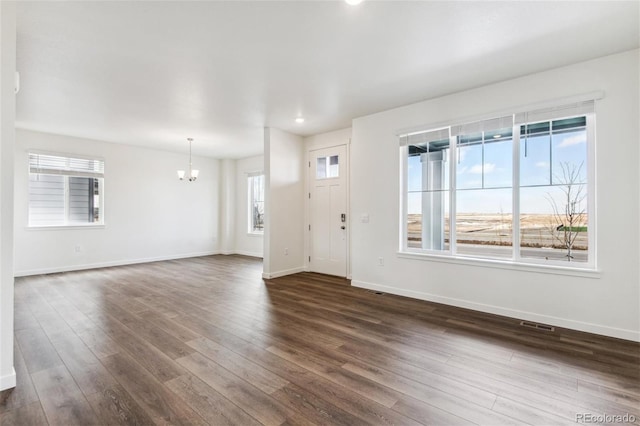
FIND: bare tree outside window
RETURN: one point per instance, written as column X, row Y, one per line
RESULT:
column 569, row 212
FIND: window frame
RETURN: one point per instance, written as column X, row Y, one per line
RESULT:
column 516, row 261
column 251, row 231
column 67, row 225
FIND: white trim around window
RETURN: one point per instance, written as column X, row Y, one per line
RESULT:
column 434, row 234
column 255, row 203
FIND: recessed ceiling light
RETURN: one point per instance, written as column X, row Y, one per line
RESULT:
column 353, row 2
column 300, row 120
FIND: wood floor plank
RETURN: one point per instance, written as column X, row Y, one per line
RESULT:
column 528, row 414
column 26, row 415
column 164, row 341
column 24, row 393
column 37, row 350
column 206, row 340
column 210, row 404
column 454, row 407
column 315, row 408
column 420, row 390
column 62, row 400
column 361, row 406
column 84, row 366
column 23, row 318
column 171, row 327
column 334, row 372
column 98, row 342
column 252, row 373
column 430, row 415
column 152, row 358
column 611, row 394
column 114, row 406
column 163, row 406
column 255, row 402
column 549, row 398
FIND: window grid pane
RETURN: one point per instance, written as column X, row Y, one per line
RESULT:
column 551, row 189
column 59, row 200
column 327, row 167
column 256, row 204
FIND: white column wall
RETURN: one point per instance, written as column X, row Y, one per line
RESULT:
column 227, row 206
column 284, row 204
column 7, row 140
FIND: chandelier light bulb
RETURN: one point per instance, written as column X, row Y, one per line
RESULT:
column 193, row 173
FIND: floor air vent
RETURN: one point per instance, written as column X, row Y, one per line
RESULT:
column 537, row 326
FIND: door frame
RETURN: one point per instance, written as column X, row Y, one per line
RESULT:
column 331, row 140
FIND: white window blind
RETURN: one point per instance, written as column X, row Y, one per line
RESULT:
column 67, row 166
column 483, row 126
column 555, row 113
column 424, row 137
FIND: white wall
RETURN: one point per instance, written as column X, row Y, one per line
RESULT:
column 7, row 139
column 245, row 243
column 607, row 304
column 327, row 140
column 227, row 205
column 284, row 203
column 149, row 213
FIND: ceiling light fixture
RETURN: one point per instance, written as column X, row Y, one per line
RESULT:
column 353, row 2
column 300, row 120
column 497, row 136
column 193, row 173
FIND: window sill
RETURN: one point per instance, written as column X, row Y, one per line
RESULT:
column 63, row 227
column 503, row 264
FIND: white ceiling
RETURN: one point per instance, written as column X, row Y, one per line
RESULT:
column 155, row 73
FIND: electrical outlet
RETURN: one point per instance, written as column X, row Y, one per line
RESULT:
column 286, row 252
column 381, row 261
column 77, row 248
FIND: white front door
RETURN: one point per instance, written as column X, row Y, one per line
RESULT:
column 328, row 211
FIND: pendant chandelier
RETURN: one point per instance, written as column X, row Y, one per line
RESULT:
column 193, row 173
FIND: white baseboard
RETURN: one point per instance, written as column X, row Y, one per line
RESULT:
column 121, row 262
column 8, row 381
column 249, row 253
column 268, row 276
column 619, row 333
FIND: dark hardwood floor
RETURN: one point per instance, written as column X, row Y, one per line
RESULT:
column 207, row 341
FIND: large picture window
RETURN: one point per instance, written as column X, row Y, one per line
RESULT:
column 256, row 203
column 65, row 191
column 514, row 188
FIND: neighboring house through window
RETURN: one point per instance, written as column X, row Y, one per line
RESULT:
column 517, row 187
column 65, row 190
column 256, row 202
